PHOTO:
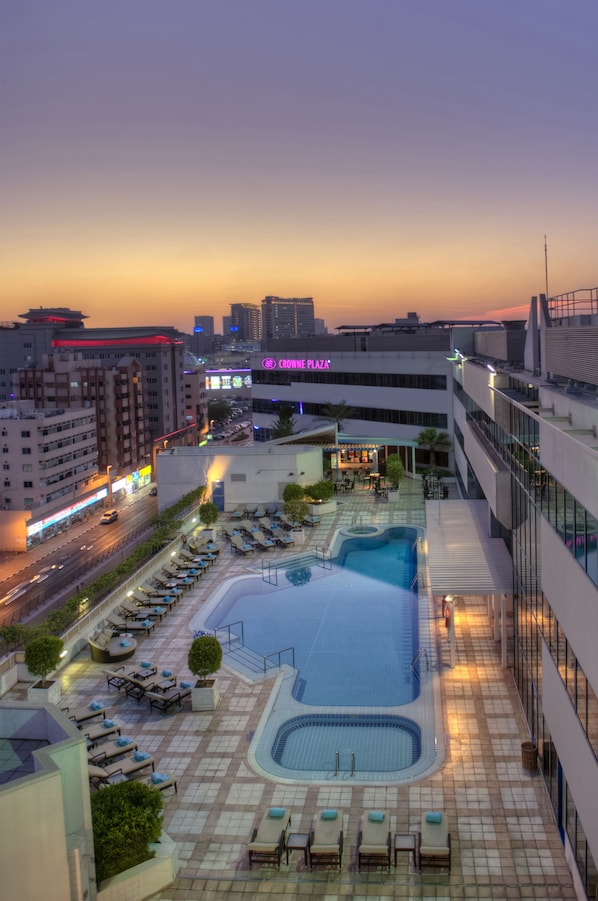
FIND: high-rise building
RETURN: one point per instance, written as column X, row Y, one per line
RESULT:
column 204, row 325
column 246, row 320
column 287, row 317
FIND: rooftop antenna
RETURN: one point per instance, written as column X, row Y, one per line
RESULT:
column 546, row 265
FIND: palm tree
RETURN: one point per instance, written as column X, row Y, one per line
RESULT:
column 435, row 441
column 337, row 413
column 285, row 424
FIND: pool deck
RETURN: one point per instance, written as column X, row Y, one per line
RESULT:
column 505, row 844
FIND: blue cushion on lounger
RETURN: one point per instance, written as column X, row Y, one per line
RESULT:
column 124, row 740
column 376, row 816
column 147, row 623
column 167, row 598
column 108, row 724
column 167, row 673
column 276, row 813
column 141, row 755
column 157, row 778
column 186, row 684
column 96, row 705
column 125, row 643
column 146, row 664
column 329, row 814
column 433, row 816
column 158, row 609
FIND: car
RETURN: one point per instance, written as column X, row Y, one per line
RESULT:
column 153, row 491
column 15, row 593
column 108, row 516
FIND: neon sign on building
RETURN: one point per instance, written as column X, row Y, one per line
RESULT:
column 307, row 363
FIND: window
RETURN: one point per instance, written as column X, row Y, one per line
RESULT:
column 25, row 450
column 26, row 434
column 27, row 484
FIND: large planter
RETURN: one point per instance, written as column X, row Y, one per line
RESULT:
column 298, row 536
column 44, row 694
column 393, row 494
column 205, row 696
column 324, row 507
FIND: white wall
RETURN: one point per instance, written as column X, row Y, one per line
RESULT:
column 251, row 475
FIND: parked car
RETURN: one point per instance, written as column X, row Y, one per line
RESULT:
column 109, row 516
column 153, row 491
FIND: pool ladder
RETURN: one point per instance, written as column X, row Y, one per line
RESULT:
column 421, row 653
column 337, row 763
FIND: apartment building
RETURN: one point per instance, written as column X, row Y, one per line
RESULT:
column 116, row 393
column 287, row 317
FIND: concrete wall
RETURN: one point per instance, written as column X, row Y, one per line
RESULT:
column 251, row 475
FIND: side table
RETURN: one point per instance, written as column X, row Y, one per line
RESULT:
column 405, row 843
column 298, row 841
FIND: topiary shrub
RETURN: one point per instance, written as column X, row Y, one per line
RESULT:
column 42, row 656
column 293, row 492
column 126, row 818
column 394, row 470
column 204, row 657
column 208, row 513
column 320, row 491
column 296, row 510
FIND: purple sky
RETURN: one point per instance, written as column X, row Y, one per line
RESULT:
column 165, row 158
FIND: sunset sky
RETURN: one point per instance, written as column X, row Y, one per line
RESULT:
column 162, row 159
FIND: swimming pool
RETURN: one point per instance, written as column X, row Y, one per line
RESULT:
column 352, row 629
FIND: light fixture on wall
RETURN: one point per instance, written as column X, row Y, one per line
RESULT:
column 301, row 473
column 291, row 473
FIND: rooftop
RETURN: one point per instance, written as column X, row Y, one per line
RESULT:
column 505, row 841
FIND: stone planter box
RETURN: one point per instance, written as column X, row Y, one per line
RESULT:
column 49, row 694
column 205, row 697
column 321, row 509
column 298, row 536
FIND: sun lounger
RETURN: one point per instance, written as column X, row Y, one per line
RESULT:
column 124, row 625
column 165, row 700
column 373, row 841
column 169, row 600
column 115, row 677
column 98, row 732
column 130, row 610
column 326, row 840
column 110, row 750
column 269, row 838
column 83, row 714
column 242, row 546
column 311, row 520
column 160, row 781
column 434, row 841
column 136, row 688
column 121, row 769
column 263, row 542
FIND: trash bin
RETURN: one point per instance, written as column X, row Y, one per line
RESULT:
column 529, row 755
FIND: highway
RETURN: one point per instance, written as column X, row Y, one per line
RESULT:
column 39, row 580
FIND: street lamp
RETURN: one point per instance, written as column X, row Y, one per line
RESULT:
column 108, row 468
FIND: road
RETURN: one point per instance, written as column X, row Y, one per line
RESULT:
column 39, row 579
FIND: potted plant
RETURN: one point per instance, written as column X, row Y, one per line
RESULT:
column 204, row 660
column 42, row 656
column 394, row 473
column 321, row 497
column 208, row 514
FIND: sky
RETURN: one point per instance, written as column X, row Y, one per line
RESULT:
column 162, row 159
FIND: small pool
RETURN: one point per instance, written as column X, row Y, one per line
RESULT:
column 341, row 742
column 348, row 633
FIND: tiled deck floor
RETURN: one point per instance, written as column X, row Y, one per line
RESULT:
column 505, row 842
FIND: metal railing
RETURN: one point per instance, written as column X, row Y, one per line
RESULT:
column 266, row 657
column 228, row 627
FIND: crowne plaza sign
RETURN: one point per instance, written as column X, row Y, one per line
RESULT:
column 306, row 363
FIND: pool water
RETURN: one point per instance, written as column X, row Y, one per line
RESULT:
column 351, row 705
column 353, row 628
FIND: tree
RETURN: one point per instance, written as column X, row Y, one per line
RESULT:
column 126, row 819
column 394, row 470
column 320, row 491
column 435, row 441
column 337, row 413
column 296, row 509
column 42, row 656
column 293, row 492
column 285, row 425
column 204, row 657
column 208, row 513
column 218, row 410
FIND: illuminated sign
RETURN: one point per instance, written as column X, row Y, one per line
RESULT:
column 227, row 380
column 308, row 363
column 68, row 511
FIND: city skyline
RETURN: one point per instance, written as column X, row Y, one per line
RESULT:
column 379, row 158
